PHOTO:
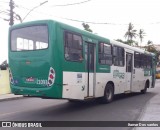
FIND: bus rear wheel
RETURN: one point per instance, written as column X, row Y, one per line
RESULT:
column 108, row 94
column 145, row 88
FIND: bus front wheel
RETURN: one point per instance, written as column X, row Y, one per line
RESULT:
column 108, row 94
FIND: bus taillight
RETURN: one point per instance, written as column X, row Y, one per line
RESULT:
column 51, row 77
column 11, row 77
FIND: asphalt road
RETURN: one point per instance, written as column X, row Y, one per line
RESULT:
column 124, row 108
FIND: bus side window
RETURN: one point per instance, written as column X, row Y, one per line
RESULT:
column 105, row 54
column 121, row 56
column 149, row 64
column 142, row 61
column 137, row 60
column 118, row 56
column 73, row 47
column 115, row 53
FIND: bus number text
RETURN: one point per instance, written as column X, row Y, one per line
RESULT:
column 42, row 82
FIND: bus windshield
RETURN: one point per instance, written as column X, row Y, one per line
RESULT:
column 29, row 38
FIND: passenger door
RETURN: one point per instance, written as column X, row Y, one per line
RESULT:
column 129, row 70
column 90, row 60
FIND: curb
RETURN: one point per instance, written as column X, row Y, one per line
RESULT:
column 11, row 98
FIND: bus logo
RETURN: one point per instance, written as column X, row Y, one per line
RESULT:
column 117, row 74
column 30, row 79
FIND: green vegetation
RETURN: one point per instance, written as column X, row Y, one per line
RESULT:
column 131, row 36
column 141, row 35
column 86, row 27
column 151, row 48
column 4, row 65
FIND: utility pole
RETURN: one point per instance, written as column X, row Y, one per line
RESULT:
column 13, row 15
column 11, row 4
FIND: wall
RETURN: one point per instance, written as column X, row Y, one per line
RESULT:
column 4, row 82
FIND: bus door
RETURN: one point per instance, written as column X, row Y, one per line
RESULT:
column 153, row 71
column 90, row 58
column 129, row 66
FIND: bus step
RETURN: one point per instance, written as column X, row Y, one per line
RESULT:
column 126, row 92
column 89, row 97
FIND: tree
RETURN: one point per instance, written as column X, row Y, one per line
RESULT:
column 130, row 34
column 150, row 47
column 86, row 27
column 128, row 42
column 149, row 42
column 4, row 65
column 120, row 40
column 141, row 35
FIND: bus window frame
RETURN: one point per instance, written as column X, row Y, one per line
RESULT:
column 25, row 26
column 139, row 60
column 64, row 43
column 113, row 56
column 149, row 60
column 101, row 42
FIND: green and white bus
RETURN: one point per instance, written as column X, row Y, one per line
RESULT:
column 50, row 59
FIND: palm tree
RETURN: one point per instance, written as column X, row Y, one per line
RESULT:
column 131, row 33
column 141, row 35
column 120, row 40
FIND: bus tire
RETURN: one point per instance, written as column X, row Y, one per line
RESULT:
column 108, row 94
column 145, row 88
column 73, row 101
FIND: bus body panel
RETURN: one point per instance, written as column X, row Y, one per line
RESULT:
column 31, row 71
column 74, row 85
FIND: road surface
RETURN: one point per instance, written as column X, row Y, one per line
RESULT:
column 124, row 108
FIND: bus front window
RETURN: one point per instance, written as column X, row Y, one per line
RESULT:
column 29, row 38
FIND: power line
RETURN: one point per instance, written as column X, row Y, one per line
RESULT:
column 4, row 12
column 72, row 3
column 1, row 18
column 4, row 19
column 103, row 23
column 4, row 2
column 20, row 6
column 155, row 23
column 82, row 21
column 33, row 9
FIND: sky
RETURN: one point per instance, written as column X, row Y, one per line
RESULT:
column 114, row 16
